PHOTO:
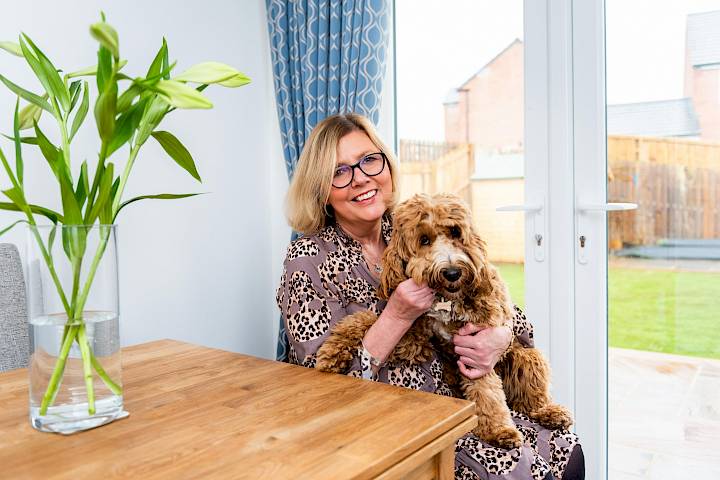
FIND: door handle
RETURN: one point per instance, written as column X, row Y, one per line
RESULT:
column 539, row 225
column 606, row 207
column 583, row 209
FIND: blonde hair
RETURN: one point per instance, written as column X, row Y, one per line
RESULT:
column 311, row 183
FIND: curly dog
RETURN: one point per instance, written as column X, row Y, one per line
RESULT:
column 434, row 242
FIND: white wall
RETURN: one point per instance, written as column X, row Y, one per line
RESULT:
column 202, row 269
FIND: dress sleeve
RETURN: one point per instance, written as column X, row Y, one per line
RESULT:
column 309, row 304
column 523, row 329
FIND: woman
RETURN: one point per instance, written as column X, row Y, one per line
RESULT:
column 340, row 199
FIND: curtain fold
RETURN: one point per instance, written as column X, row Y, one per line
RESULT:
column 328, row 57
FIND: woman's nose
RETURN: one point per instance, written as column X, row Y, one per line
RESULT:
column 360, row 178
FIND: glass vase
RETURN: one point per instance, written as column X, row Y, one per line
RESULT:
column 72, row 294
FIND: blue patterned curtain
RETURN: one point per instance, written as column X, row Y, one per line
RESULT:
column 328, row 57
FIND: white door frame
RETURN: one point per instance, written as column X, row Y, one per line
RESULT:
column 591, row 339
column 565, row 166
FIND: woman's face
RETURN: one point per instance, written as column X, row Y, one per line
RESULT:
column 365, row 198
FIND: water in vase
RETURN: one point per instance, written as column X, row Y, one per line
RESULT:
column 68, row 412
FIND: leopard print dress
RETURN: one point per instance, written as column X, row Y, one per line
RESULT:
column 326, row 278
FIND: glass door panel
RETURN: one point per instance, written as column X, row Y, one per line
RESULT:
column 663, row 153
column 460, row 115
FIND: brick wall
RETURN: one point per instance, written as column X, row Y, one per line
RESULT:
column 495, row 99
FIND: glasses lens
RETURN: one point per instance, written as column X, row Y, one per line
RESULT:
column 343, row 176
column 372, row 164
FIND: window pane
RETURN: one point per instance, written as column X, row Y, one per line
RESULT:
column 460, row 115
column 663, row 118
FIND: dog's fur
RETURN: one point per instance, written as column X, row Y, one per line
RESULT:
column 432, row 234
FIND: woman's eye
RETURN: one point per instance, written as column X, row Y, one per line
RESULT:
column 424, row 240
column 340, row 171
column 455, row 232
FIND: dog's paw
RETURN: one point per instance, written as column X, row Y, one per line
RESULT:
column 503, row 436
column 337, row 363
column 553, row 416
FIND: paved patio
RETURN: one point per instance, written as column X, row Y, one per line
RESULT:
column 664, row 416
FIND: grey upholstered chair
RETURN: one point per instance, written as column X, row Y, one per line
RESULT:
column 14, row 338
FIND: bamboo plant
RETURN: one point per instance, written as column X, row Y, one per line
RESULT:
column 127, row 111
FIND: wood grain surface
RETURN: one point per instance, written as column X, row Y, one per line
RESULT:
column 200, row 412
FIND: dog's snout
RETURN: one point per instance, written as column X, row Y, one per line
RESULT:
column 452, row 274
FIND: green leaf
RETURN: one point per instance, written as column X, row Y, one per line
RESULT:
column 25, row 140
column 29, row 114
column 92, row 71
column 7, row 168
column 125, row 126
column 74, row 240
column 177, row 151
column 157, row 64
column 166, row 67
column 18, row 144
column 104, row 70
column 71, row 209
column 12, row 47
column 82, row 111
column 161, row 196
column 105, row 107
column 237, row 81
column 152, row 81
column 74, row 93
column 125, row 99
column 180, row 95
column 54, row 217
column 83, row 186
column 56, row 86
column 16, row 196
column 4, row 230
column 49, row 151
column 104, row 191
column 212, row 72
column 155, row 110
column 107, row 36
column 106, row 216
column 29, row 96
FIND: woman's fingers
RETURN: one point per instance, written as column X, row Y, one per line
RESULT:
column 471, row 373
column 469, row 329
column 465, row 352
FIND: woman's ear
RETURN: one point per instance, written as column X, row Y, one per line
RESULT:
column 394, row 264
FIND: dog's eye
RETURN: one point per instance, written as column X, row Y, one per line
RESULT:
column 455, row 232
column 424, row 240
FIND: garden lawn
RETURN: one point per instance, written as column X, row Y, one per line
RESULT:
column 654, row 310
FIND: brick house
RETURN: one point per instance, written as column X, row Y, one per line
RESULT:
column 487, row 109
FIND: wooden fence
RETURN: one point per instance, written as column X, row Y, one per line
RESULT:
column 429, row 167
column 676, row 184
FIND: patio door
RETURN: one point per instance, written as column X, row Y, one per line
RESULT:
column 518, row 129
column 631, row 189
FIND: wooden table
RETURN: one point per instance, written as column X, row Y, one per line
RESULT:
column 197, row 412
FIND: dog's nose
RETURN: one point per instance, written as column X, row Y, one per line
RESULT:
column 452, row 274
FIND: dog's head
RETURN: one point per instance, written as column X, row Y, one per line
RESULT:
column 433, row 242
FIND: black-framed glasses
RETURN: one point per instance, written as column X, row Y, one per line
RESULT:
column 371, row 165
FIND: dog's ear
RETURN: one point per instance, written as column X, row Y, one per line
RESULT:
column 394, row 263
column 478, row 253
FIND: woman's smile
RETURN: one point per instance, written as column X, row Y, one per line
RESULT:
column 366, row 197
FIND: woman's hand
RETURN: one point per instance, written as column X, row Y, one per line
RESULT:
column 480, row 348
column 409, row 301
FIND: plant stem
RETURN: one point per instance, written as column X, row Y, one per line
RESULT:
column 123, row 180
column 59, row 368
column 49, row 263
column 114, row 387
column 87, row 368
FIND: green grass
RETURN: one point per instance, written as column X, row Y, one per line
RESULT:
column 654, row 310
